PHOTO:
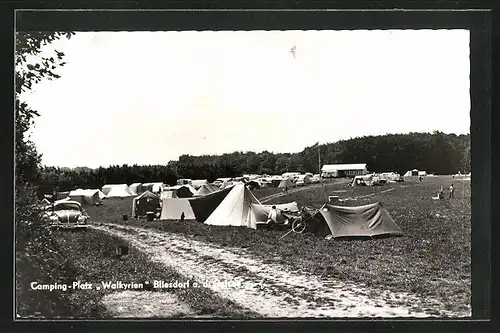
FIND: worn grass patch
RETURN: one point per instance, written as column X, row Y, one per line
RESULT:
column 92, row 254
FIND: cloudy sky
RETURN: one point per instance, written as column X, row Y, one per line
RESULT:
column 148, row 97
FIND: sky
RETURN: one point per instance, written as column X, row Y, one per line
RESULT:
column 149, row 97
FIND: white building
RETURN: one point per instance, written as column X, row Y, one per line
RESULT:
column 343, row 170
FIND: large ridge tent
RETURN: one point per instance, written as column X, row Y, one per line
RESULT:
column 361, row 221
column 146, row 202
column 106, row 188
column 90, row 197
column 200, row 207
column 236, row 209
column 204, row 206
column 119, row 191
column 172, row 209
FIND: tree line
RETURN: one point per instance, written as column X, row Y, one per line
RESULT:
column 437, row 153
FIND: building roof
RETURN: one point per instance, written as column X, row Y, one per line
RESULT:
column 342, row 167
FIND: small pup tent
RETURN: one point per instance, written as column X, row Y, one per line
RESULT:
column 119, row 191
column 236, row 209
column 146, row 202
column 361, row 221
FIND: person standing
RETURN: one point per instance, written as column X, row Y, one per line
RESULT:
column 452, row 191
column 182, row 217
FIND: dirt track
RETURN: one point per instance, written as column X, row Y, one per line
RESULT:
column 269, row 288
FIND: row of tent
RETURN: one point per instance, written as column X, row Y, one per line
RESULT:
column 237, row 206
column 377, row 179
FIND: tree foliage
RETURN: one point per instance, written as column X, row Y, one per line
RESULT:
column 436, row 152
column 32, row 66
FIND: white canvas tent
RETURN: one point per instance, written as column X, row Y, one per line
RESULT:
column 236, row 209
column 172, row 209
column 106, row 188
column 409, row 173
column 136, row 188
column 90, row 197
column 120, row 191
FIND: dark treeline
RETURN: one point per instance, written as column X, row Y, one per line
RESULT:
column 436, row 153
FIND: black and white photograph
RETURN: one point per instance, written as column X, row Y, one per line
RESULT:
column 243, row 174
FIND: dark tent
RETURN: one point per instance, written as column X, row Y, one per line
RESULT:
column 146, row 202
column 184, row 192
column 205, row 205
column 362, row 221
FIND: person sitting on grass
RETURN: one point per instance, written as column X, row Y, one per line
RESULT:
column 441, row 192
column 272, row 218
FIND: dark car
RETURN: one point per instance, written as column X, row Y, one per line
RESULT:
column 66, row 214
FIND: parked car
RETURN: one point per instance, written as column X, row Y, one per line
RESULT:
column 66, row 215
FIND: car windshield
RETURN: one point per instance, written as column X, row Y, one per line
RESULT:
column 67, row 206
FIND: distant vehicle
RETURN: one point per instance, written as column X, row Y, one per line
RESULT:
column 65, row 215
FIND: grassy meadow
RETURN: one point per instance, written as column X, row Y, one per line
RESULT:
column 432, row 259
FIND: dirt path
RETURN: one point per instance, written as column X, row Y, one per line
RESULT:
column 269, row 289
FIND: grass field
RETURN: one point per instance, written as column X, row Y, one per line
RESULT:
column 433, row 259
column 93, row 260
